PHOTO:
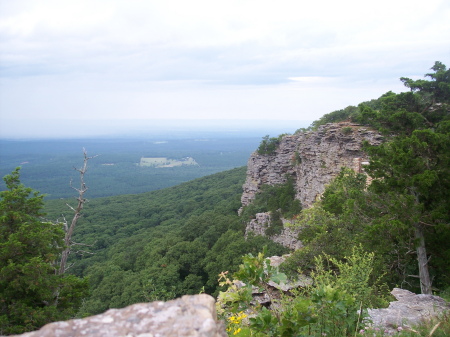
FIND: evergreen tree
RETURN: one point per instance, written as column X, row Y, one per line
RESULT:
column 417, row 168
column 31, row 292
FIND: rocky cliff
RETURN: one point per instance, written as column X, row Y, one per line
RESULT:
column 312, row 158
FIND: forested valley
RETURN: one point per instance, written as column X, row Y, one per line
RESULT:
column 360, row 240
column 47, row 165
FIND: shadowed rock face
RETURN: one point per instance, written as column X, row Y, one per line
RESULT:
column 288, row 236
column 313, row 158
column 193, row 316
column 409, row 310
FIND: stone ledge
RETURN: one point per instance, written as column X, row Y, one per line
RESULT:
column 193, row 316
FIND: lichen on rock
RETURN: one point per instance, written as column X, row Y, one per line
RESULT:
column 193, row 316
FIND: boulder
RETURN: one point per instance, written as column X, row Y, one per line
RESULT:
column 193, row 316
column 408, row 311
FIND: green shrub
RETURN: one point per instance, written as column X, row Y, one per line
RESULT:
column 333, row 306
column 276, row 224
column 278, row 198
column 269, row 145
column 346, row 130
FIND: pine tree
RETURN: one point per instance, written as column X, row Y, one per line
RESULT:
column 416, row 165
column 32, row 294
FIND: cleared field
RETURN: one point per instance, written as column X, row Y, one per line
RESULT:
column 160, row 162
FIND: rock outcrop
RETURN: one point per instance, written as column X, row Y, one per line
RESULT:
column 312, row 158
column 288, row 236
column 408, row 311
column 193, row 316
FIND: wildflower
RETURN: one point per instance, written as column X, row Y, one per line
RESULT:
column 361, row 331
column 399, row 329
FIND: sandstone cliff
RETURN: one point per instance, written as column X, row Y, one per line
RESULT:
column 312, row 158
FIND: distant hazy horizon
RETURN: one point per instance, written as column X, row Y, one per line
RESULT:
column 152, row 129
column 98, row 68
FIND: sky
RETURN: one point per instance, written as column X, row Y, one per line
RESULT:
column 98, row 67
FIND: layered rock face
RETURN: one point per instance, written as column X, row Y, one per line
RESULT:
column 193, row 316
column 313, row 158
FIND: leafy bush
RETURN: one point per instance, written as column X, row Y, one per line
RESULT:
column 276, row 224
column 346, row 130
column 335, row 116
column 333, row 306
column 269, row 144
column 274, row 198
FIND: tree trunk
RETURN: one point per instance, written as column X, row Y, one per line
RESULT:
column 77, row 213
column 422, row 259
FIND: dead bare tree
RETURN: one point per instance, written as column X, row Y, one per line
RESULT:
column 77, row 214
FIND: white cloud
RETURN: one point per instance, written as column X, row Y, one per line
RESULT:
column 203, row 58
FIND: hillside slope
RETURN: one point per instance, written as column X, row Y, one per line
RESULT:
column 162, row 244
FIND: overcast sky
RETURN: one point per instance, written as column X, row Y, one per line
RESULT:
column 107, row 64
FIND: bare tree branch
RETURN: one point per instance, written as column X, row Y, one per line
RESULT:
column 77, row 214
column 81, row 244
column 82, row 252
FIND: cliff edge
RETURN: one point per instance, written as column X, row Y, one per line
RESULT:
column 312, row 158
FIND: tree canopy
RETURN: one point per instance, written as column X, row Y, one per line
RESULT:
column 406, row 207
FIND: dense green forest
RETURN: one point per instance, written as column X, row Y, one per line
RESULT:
column 163, row 244
column 47, row 165
column 156, row 245
column 360, row 240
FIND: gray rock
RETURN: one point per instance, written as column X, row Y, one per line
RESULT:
column 409, row 310
column 193, row 316
column 288, row 236
column 313, row 159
